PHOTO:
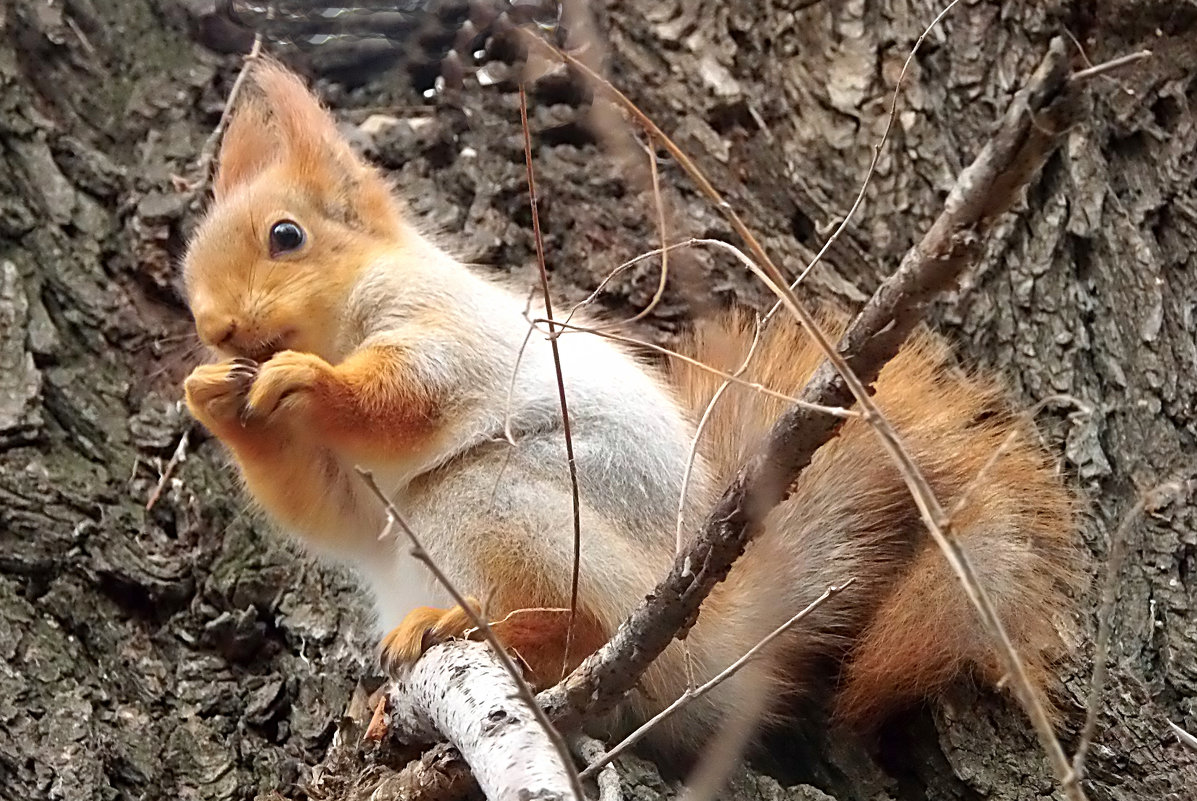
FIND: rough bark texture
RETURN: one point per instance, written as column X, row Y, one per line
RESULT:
column 187, row 652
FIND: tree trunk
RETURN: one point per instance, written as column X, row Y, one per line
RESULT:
column 187, row 651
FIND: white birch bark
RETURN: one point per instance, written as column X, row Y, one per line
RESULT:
column 460, row 692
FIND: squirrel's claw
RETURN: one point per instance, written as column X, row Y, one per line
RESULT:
column 242, row 373
column 215, row 392
column 281, row 381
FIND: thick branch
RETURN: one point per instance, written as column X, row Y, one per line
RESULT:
column 1026, row 136
column 458, row 691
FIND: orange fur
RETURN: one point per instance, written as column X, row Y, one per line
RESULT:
column 525, row 609
column 277, row 466
column 536, row 635
column 1017, row 524
column 374, row 408
column 364, row 344
column 244, row 151
column 516, row 582
column 282, row 159
column 424, row 627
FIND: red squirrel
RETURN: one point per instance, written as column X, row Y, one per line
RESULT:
column 346, row 338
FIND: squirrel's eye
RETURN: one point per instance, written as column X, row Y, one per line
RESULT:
column 285, row 236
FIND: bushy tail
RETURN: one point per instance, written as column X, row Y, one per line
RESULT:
column 909, row 626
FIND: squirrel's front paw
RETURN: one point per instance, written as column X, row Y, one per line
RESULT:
column 287, row 381
column 216, row 393
column 420, row 630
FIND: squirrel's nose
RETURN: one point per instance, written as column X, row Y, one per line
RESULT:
column 217, row 331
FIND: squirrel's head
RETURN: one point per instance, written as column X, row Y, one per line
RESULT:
column 297, row 218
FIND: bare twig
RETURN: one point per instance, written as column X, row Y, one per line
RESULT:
column 1182, row 735
column 698, row 431
column 684, row 492
column 627, row 264
column 659, row 203
column 479, row 622
column 515, row 371
column 979, row 479
column 176, row 458
column 207, row 161
column 877, row 148
column 569, row 440
column 923, row 271
column 731, row 670
column 1027, row 135
column 725, row 750
column 831, row 411
column 1111, row 65
column 1105, row 616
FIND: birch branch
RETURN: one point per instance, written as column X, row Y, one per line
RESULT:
column 497, row 656
column 458, row 691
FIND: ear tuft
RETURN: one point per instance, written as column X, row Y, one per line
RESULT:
column 284, row 121
column 304, row 128
column 246, row 148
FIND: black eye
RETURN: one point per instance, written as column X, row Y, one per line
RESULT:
column 285, row 236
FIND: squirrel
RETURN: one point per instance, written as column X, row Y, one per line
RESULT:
column 345, row 337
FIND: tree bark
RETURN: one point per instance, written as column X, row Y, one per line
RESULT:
column 187, row 651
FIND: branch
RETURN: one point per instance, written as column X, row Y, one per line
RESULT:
column 176, row 458
column 498, row 654
column 571, row 462
column 1026, row 136
column 729, row 671
column 458, row 691
column 1182, row 735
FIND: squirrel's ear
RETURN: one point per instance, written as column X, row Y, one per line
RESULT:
column 317, row 154
column 246, row 148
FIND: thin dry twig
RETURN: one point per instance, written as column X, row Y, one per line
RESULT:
column 1111, row 65
column 693, row 694
column 207, row 161
column 1151, row 499
column 684, row 492
column 179, row 455
column 394, row 518
column 932, row 513
column 979, row 479
column 877, row 148
column 831, row 411
column 1182, row 735
column 663, row 251
column 515, row 371
column 569, row 440
column 725, row 751
column 1022, row 154
column 698, row 432
column 1028, row 134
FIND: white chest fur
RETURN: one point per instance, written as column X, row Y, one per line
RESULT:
column 399, row 583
